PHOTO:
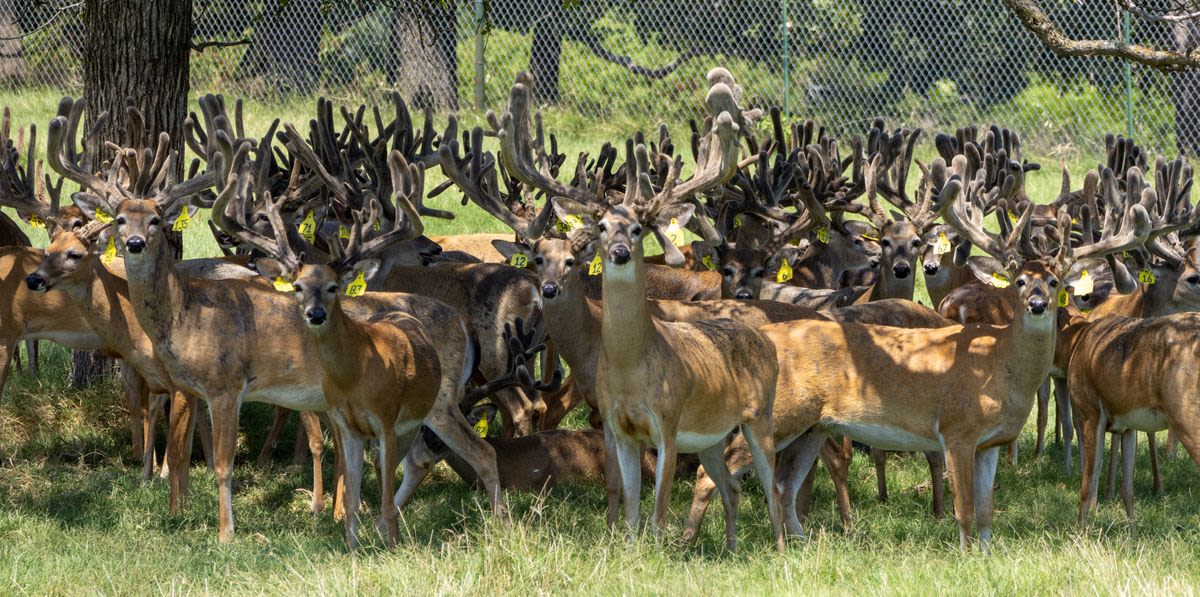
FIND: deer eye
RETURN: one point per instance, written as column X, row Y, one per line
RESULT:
column 636, row 230
column 296, row 286
column 1021, row 282
column 570, row 262
column 332, row 289
column 538, row 260
column 759, row 272
column 858, row 242
column 1053, row 283
column 76, row 224
column 728, row 273
column 602, row 226
column 885, row 243
column 74, row 255
column 154, row 221
column 120, row 220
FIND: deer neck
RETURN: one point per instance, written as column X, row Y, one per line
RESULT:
column 579, row 318
column 154, row 290
column 1027, row 350
column 626, row 329
column 338, row 344
column 888, row 286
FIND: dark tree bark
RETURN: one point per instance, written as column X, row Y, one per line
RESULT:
column 427, row 70
column 140, row 50
column 544, row 59
column 283, row 49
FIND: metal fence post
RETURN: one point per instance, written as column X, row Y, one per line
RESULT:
column 480, row 100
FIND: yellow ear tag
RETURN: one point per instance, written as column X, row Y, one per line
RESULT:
column 481, row 427
column 596, row 265
column 675, row 233
column 518, row 260
column 785, row 272
column 282, row 285
column 183, row 221
column 358, row 287
column 737, row 221
column 942, row 245
column 343, row 232
column 110, row 252
column 999, row 281
column 308, row 228
column 708, row 262
column 1084, row 285
column 102, row 217
column 823, row 234
column 1063, row 298
column 1147, row 277
column 867, row 237
column 378, row 225
column 36, row 221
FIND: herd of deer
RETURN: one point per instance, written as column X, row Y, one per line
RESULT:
column 785, row 333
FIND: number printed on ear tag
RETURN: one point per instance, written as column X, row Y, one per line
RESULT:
column 358, row 287
column 481, row 427
column 708, row 262
column 518, row 260
column 823, row 234
column 110, row 251
column 1063, row 298
column 942, row 245
column 737, row 221
column 36, row 221
column 596, row 265
column 282, row 285
column 308, row 228
column 999, row 281
column 569, row 223
column 343, row 232
column 675, row 233
column 183, row 221
column 1147, row 277
column 785, row 272
column 102, row 217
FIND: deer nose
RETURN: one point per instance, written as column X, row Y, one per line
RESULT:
column 549, row 290
column 1037, row 305
column 931, row 269
column 315, row 316
column 620, row 255
column 135, row 244
column 902, row 270
column 35, row 282
column 743, row 295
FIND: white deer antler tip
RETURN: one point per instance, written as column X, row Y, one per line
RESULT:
column 719, row 74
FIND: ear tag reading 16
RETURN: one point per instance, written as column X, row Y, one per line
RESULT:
column 785, row 272
column 1063, row 298
column 596, row 265
column 999, row 281
column 823, row 234
column 358, row 287
column 1147, row 277
column 675, row 233
column 1084, row 285
column 481, row 427
column 110, row 252
column 102, row 217
column 518, row 260
column 183, row 221
column 308, row 228
column 36, row 221
column 708, row 262
column 282, row 285
column 942, row 245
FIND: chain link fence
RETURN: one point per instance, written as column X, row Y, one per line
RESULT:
column 930, row 63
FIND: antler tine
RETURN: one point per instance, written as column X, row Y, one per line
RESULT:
column 408, row 182
column 17, row 184
column 878, row 218
column 964, row 211
column 63, row 159
column 1127, row 224
column 717, row 161
column 521, row 353
column 238, row 188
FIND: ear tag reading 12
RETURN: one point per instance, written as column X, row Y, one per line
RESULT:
column 942, row 245
column 823, row 234
column 102, row 217
column 675, row 233
column 1063, row 298
column 596, row 265
column 358, row 287
column 36, row 221
column 110, row 252
column 183, row 221
column 708, row 262
column 518, row 260
column 481, row 427
column 282, row 285
column 785, row 272
column 343, row 232
column 1147, row 277
column 999, row 281
column 1084, row 285
column 308, row 228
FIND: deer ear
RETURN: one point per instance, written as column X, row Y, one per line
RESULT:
column 87, row 203
column 680, row 212
column 702, row 252
column 508, row 248
column 486, row 411
column 1095, row 266
column 192, row 210
column 270, row 269
column 990, row 271
column 101, row 244
column 367, row 267
column 569, row 208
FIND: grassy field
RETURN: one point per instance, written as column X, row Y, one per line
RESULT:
column 75, row 518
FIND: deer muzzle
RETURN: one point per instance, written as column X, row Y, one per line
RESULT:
column 135, row 244
column 36, row 282
column 619, row 255
column 315, row 316
column 549, row 290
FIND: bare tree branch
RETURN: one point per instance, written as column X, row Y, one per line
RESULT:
column 204, row 45
column 1037, row 21
column 1171, row 17
column 58, row 12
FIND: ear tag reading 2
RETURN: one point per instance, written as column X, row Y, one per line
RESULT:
column 1063, row 298
column 343, row 232
column 942, row 245
column 708, row 262
column 36, row 221
column 823, row 234
column 518, row 260
column 102, row 217
column 999, row 281
column 183, row 221
column 1084, row 285
column 1147, row 277
column 282, row 285
column 358, row 287
column 481, row 427
column 596, row 265
column 785, row 272
column 675, row 233
column 110, row 252
column 308, row 228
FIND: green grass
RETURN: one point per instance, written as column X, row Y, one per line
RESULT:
column 75, row 518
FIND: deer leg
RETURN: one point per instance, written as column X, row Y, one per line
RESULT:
column 629, row 454
column 1152, row 441
column 135, row 400
column 389, row 449
column 712, row 459
column 880, row 458
column 179, row 447
column 960, row 459
column 352, row 448
column 223, row 411
column 339, row 474
column 664, row 479
column 152, row 413
column 1113, row 458
column 316, row 446
column 793, row 469
column 1172, row 445
column 838, row 466
column 760, row 437
column 450, row 425
column 1013, row 452
column 737, row 459
column 559, row 404
column 205, row 424
column 1043, row 415
column 268, row 449
column 984, row 488
column 937, row 465
column 1128, row 454
column 1062, row 403
column 31, row 354
column 1093, row 424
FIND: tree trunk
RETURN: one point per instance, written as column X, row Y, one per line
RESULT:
column 1185, row 92
column 139, row 50
column 283, row 49
column 427, row 69
column 544, row 60
column 87, row 367
column 12, row 61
